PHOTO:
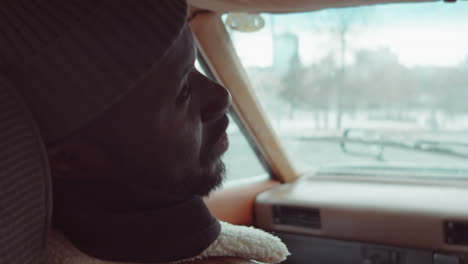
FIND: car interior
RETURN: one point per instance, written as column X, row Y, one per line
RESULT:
column 359, row 144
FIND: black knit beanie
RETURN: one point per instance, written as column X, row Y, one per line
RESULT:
column 72, row 59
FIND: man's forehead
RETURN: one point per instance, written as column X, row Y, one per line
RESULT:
column 183, row 50
column 171, row 70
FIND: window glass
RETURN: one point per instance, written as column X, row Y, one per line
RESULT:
column 372, row 87
column 242, row 164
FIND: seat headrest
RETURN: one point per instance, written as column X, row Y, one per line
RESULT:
column 25, row 195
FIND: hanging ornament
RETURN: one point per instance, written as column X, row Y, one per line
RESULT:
column 245, row 22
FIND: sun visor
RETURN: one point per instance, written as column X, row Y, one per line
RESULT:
column 284, row 6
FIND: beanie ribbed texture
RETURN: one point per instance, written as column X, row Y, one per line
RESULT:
column 71, row 60
column 25, row 198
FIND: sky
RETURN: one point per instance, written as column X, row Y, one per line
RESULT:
column 433, row 33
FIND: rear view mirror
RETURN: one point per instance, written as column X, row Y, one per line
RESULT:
column 361, row 142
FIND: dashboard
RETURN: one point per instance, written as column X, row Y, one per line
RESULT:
column 356, row 220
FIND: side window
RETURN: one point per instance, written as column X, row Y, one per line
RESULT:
column 242, row 163
column 351, row 89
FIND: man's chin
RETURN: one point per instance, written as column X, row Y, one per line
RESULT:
column 212, row 179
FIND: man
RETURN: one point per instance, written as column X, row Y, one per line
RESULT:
column 134, row 133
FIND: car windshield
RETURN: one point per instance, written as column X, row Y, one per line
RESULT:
column 370, row 86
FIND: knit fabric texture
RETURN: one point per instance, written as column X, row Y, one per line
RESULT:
column 25, row 201
column 71, row 60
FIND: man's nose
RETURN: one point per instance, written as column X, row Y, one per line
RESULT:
column 217, row 100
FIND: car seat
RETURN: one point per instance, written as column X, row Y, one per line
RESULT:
column 25, row 189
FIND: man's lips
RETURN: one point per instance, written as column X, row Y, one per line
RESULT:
column 222, row 142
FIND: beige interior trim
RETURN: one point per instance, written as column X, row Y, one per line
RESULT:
column 235, row 205
column 398, row 213
column 284, row 6
column 217, row 48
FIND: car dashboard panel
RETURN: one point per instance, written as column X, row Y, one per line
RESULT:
column 331, row 220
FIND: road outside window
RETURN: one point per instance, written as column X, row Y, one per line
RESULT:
column 377, row 87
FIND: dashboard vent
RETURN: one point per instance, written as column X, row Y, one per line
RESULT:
column 456, row 233
column 296, row 216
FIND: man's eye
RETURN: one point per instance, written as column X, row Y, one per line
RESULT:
column 185, row 93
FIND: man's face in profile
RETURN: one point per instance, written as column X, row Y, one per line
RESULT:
column 168, row 132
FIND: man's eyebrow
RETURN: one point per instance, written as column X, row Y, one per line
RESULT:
column 187, row 70
column 189, row 67
column 195, row 53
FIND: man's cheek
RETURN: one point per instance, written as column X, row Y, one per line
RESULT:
column 185, row 142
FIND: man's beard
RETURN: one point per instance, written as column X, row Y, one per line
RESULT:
column 200, row 183
column 211, row 179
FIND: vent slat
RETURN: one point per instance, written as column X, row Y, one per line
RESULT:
column 296, row 216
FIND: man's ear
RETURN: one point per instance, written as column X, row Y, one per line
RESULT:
column 78, row 159
column 64, row 158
